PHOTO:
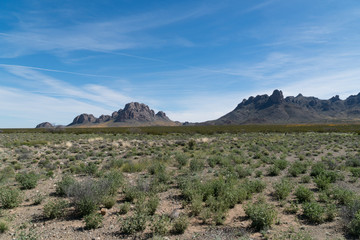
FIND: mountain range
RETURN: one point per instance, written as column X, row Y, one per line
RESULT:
column 262, row 109
column 275, row 109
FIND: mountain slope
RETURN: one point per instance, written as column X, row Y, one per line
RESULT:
column 276, row 109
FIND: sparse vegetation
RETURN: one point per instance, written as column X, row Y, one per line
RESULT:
column 141, row 178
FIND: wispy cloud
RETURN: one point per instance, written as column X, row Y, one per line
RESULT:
column 102, row 36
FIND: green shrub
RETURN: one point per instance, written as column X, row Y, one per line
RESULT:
column 196, row 165
column 281, row 163
column 343, row 196
column 282, row 189
column 63, row 185
column 3, row 227
column 297, row 168
column 109, row 202
column 313, row 211
column 262, row 215
column 243, row 172
column 273, row 171
column 133, row 224
column 27, row 180
column 255, row 186
column 180, row 224
column 355, row 172
column 124, row 208
column 322, row 181
column 354, row 225
column 317, row 169
column 55, row 209
column 38, row 198
column 181, row 159
column 93, row 220
column 152, row 204
column 304, row 194
column 10, row 197
column 88, row 195
column 160, row 225
column 330, row 212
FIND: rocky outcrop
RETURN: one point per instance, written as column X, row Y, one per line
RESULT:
column 276, row 109
column 45, row 125
column 83, row 119
column 134, row 113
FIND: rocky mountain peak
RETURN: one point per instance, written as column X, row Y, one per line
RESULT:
column 277, row 97
column 83, row 119
column 45, row 125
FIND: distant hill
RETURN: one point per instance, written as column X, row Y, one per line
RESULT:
column 276, row 109
column 134, row 114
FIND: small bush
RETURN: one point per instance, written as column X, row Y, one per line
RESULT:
column 180, row 224
column 133, row 224
column 152, row 204
column 160, row 225
column 10, row 197
column 304, row 194
column 181, row 159
column 196, row 165
column 281, row 163
column 124, row 208
column 109, row 202
column 3, row 227
column 297, row 168
column 273, row 171
column 322, row 181
column 282, row 189
column 255, row 186
column 55, row 209
column 262, row 215
column 313, row 211
column 354, row 226
column 38, row 198
column 93, row 221
column 63, row 185
column 27, row 180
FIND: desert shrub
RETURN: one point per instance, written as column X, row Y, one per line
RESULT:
column 88, row 195
column 281, row 163
column 181, row 159
column 180, row 224
column 282, row 189
column 243, row 172
column 305, row 179
column 262, row 215
column 114, row 180
column 160, row 225
column 313, row 211
column 317, row 169
column 63, row 185
column 303, row 194
column 273, row 171
column 3, row 227
column 330, row 212
column 91, row 169
column 255, row 186
column 93, row 220
column 124, row 208
column 152, row 204
column 133, row 224
column 196, row 165
column 355, row 172
column 27, row 180
column 6, row 173
column 132, row 193
column 297, row 168
column 132, row 167
column 115, row 163
column 343, row 196
column 10, row 197
column 353, row 162
column 196, row 205
column 38, row 198
column 354, row 225
column 109, row 202
column 55, row 209
column 213, row 160
column 322, row 181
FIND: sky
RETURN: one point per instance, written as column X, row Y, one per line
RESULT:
column 194, row 60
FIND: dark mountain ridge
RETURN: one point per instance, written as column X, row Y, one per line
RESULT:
column 275, row 109
column 134, row 113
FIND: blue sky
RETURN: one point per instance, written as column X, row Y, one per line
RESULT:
column 195, row 60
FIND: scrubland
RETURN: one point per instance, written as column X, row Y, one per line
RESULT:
column 252, row 185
